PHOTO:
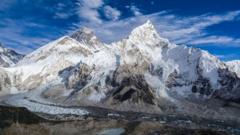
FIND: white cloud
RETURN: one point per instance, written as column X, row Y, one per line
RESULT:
column 88, row 10
column 19, row 41
column 180, row 28
column 111, row 13
column 135, row 10
column 213, row 40
column 61, row 15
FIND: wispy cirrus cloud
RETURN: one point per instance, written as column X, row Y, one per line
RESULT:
column 111, row 13
column 88, row 10
column 188, row 29
column 14, row 37
column 220, row 40
column 136, row 11
column 26, row 29
column 60, row 12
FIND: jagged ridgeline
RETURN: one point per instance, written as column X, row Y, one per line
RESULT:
column 143, row 72
column 8, row 57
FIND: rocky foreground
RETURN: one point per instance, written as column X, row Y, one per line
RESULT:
column 18, row 120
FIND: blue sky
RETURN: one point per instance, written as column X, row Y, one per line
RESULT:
column 25, row 25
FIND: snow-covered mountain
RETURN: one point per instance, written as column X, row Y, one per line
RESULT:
column 8, row 57
column 234, row 66
column 143, row 72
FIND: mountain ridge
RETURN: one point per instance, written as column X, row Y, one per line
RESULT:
column 8, row 57
column 143, row 72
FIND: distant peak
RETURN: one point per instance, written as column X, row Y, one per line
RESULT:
column 85, row 35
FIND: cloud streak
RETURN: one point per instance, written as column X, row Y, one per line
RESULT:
column 181, row 30
column 88, row 10
column 221, row 40
column 135, row 10
column 14, row 37
column 111, row 13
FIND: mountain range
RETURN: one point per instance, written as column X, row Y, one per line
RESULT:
column 142, row 72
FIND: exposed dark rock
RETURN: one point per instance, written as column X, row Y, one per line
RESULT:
column 156, row 71
column 112, row 79
column 230, row 86
column 194, row 89
column 202, row 86
column 4, row 80
column 132, row 88
column 175, row 80
column 76, row 77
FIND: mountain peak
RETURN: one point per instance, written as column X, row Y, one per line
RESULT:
column 148, row 24
column 84, row 30
column 146, row 27
column 86, row 36
column 146, row 32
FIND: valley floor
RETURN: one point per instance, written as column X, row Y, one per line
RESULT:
column 104, row 127
column 100, row 121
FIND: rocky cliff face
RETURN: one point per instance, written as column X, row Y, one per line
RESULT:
column 142, row 72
